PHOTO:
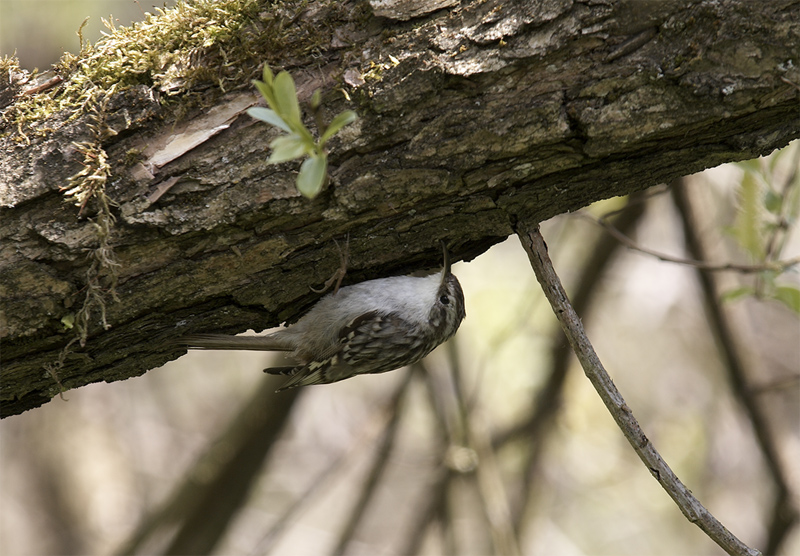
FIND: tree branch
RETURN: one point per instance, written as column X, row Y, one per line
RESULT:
column 695, row 512
column 776, row 266
column 470, row 117
column 549, row 397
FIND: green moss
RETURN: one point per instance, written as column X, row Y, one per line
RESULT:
column 132, row 156
column 191, row 53
column 8, row 64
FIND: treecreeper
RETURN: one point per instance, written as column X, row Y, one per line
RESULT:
column 371, row 327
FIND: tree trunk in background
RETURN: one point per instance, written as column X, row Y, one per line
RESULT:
column 471, row 116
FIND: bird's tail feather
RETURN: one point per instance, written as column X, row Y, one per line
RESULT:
column 222, row 341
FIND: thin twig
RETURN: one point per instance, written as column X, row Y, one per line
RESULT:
column 378, row 466
column 792, row 83
column 487, row 474
column 781, row 383
column 695, row 512
column 548, row 399
column 52, row 82
column 437, row 506
column 492, row 491
column 778, row 266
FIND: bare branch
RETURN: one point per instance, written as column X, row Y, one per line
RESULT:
column 778, row 266
column 492, row 490
column 695, row 512
column 549, row 398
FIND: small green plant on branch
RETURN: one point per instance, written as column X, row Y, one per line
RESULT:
column 768, row 208
column 284, row 112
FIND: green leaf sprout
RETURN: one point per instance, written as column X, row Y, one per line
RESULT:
column 284, row 113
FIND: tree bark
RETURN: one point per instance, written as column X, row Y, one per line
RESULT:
column 471, row 116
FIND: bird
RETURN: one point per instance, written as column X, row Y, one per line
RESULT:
column 371, row 327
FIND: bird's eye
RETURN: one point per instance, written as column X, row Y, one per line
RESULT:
column 444, row 300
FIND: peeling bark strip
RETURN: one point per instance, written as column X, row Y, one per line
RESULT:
column 471, row 116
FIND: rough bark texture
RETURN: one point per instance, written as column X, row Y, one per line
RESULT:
column 470, row 116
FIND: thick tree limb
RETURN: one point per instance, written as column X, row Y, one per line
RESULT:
column 471, row 117
column 694, row 511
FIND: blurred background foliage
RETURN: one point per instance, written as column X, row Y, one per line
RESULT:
column 38, row 31
column 497, row 444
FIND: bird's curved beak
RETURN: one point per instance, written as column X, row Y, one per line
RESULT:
column 446, row 261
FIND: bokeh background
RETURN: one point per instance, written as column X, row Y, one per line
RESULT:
column 498, row 443
column 38, row 31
